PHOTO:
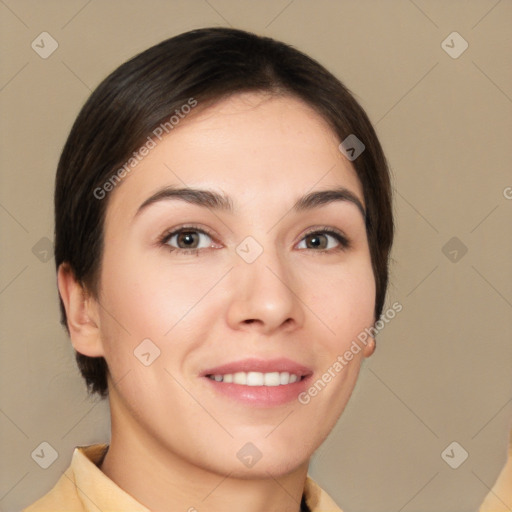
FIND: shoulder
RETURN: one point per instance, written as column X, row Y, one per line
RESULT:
column 317, row 499
column 62, row 497
column 71, row 490
column 499, row 498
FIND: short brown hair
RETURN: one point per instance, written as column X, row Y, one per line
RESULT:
column 209, row 65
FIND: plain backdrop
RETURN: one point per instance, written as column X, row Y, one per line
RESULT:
column 442, row 369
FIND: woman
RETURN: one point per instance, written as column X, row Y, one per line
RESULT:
column 223, row 224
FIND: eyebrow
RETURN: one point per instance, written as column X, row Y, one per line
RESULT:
column 221, row 202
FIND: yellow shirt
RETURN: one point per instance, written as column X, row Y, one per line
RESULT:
column 500, row 497
column 83, row 487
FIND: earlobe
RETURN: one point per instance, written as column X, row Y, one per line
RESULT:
column 370, row 347
column 81, row 313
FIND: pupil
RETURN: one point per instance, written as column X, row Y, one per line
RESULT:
column 188, row 237
column 315, row 241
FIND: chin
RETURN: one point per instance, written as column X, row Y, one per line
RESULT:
column 276, row 467
column 248, row 462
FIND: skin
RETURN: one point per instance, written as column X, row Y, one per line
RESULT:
column 174, row 440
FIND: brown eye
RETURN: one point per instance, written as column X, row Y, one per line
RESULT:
column 317, row 240
column 187, row 240
column 325, row 240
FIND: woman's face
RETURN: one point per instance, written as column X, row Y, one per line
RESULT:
column 249, row 290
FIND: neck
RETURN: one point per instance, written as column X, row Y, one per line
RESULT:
column 162, row 480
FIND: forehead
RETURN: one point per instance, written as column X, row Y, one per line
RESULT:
column 252, row 146
column 254, row 121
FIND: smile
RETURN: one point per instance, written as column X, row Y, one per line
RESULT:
column 259, row 382
column 270, row 379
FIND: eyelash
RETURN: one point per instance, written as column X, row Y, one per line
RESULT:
column 345, row 244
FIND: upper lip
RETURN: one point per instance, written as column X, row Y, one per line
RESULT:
column 260, row 365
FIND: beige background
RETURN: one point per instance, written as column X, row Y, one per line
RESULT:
column 442, row 370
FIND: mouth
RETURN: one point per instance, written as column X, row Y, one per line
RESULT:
column 259, row 382
column 270, row 379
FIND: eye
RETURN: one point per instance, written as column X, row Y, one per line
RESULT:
column 324, row 240
column 187, row 240
column 193, row 240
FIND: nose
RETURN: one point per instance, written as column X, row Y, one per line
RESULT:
column 266, row 296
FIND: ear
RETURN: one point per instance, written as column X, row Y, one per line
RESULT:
column 81, row 312
column 370, row 346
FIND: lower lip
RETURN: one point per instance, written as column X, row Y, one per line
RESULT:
column 263, row 396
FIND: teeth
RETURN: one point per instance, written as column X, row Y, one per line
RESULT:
column 240, row 378
column 257, row 378
column 272, row 379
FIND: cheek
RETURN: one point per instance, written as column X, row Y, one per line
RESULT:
column 148, row 299
column 346, row 303
column 147, row 296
